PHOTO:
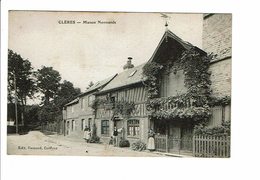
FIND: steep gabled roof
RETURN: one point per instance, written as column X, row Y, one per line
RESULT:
column 168, row 34
column 125, row 78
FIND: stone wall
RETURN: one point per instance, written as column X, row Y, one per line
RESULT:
column 217, row 39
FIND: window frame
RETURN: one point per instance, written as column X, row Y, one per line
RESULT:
column 133, row 128
column 105, row 127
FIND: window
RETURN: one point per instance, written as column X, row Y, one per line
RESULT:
column 89, row 122
column 82, row 124
column 105, row 127
column 132, row 73
column 91, row 98
column 133, row 127
column 82, row 103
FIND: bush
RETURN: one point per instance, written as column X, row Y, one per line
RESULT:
column 222, row 130
column 124, row 143
column 138, row 146
column 94, row 139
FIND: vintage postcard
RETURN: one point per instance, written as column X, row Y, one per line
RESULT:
column 119, row 84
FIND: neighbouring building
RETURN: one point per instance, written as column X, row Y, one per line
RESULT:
column 78, row 113
column 126, row 88
column 217, row 39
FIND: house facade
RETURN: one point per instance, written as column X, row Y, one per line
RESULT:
column 131, row 86
column 126, row 89
column 78, row 113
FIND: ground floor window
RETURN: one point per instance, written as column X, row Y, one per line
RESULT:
column 133, row 128
column 105, row 127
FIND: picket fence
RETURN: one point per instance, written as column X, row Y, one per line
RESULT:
column 198, row 146
column 211, row 146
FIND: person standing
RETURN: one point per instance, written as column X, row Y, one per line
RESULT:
column 87, row 135
column 151, row 145
column 115, row 135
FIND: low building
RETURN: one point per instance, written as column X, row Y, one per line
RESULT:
column 78, row 113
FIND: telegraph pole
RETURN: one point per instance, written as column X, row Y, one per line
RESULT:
column 16, row 118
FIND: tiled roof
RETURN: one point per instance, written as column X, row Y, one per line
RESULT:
column 95, row 87
column 125, row 78
column 98, row 85
column 75, row 101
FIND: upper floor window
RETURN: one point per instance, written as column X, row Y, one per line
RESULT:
column 133, row 128
column 82, row 103
column 91, row 98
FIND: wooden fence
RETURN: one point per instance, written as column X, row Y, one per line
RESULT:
column 211, row 146
column 200, row 146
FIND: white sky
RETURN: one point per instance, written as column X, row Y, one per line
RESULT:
column 87, row 52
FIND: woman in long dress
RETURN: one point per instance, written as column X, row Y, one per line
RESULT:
column 87, row 134
column 151, row 145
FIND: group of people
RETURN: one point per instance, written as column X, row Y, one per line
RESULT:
column 114, row 138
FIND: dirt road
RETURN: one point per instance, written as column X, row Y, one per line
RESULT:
column 37, row 143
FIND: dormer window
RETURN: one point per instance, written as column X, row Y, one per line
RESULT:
column 132, row 73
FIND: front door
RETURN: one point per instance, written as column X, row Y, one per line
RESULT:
column 174, row 138
column 68, row 128
column 186, row 139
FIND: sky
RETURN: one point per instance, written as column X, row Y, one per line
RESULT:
column 93, row 52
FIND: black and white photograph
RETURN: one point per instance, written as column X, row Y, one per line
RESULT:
column 129, row 89
column 131, row 84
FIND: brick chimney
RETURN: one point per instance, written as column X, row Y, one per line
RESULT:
column 128, row 64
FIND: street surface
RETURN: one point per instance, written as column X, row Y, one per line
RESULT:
column 37, row 143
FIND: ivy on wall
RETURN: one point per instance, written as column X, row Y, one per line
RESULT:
column 195, row 103
column 124, row 108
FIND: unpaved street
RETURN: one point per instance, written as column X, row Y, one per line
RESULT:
column 36, row 143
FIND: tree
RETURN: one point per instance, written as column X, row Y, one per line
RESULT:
column 48, row 82
column 21, row 74
column 66, row 93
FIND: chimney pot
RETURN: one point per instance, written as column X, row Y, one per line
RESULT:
column 128, row 64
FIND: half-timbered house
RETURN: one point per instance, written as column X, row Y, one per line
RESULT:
column 126, row 89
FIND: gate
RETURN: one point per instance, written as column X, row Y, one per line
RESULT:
column 165, row 143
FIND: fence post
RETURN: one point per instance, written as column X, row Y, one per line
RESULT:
column 166, row 143
column 193, row 145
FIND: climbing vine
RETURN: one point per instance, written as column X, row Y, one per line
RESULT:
column 151, row 71
column 195, row 102
column 124, row 108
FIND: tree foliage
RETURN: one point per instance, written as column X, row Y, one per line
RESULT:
column 48, row 82
column 21, row 72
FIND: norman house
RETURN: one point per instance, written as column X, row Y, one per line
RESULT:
column 180, row 87
column 78, row 113
column 133, row 87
